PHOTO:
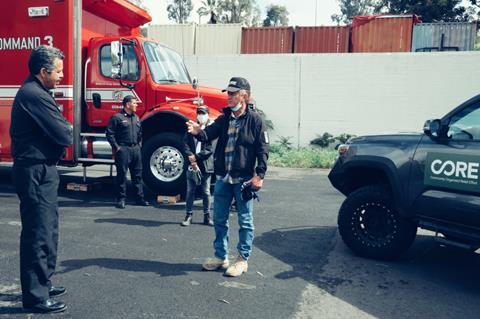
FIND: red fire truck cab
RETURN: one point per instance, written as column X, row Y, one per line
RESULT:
column 106, row 59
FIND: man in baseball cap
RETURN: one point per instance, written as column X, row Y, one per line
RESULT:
column 235, row 164
column 236, row 84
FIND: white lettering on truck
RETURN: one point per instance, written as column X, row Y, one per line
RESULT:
column 448, row 168
column 24, row 43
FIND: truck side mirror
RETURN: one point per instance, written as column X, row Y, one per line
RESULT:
column 116, row 55
column 97, row 100
column 432, row 128
column 195, row 83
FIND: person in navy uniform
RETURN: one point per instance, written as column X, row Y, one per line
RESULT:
column 124, row 133
column 39, row 135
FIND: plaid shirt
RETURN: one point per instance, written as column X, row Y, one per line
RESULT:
column 232, row 133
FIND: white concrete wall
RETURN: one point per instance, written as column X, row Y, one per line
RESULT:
column 308, row 94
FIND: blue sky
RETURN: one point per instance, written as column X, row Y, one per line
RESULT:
column 301, row 12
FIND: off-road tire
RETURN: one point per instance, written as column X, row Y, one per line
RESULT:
column 370, row 225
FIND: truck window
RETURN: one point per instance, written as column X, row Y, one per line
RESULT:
column 465, row 125
column 130, row 69
column 166, row 65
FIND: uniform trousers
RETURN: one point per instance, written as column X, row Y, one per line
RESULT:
column 37, row 188
column 129, row 158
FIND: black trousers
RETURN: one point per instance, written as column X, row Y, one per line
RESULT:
column 129, row 157
column 37, row 188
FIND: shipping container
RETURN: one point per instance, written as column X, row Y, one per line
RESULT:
column 451, row 36
column 383, row 33
column 321, row 39
column 218, row 39
column 267, row 40
column 180, row 37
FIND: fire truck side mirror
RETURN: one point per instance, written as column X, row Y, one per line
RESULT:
column 97, row 100
column 195, row 83
column 116, row 54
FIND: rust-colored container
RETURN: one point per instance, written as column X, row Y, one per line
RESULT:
column 267, row 40
column 387, row 33
column 321, row 39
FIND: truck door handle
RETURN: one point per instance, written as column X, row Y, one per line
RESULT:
column 97, row 100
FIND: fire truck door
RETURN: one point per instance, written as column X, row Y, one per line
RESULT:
column 103, row 93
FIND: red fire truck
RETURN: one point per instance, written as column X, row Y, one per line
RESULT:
column 106, row 59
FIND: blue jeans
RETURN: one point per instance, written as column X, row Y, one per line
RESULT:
column 191, row 187
column 223, row 196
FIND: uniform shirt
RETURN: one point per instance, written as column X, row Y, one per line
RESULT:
column 38, row 130
column 124, row 129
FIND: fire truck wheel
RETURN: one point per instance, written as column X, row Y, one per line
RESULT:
column 164, row 164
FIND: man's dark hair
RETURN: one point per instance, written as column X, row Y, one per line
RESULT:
column 44, row 57
column 128, row 99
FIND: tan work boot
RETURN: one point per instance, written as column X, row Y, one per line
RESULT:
column 237, row 268
column 215, row 263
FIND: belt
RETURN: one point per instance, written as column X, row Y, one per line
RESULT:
column 32, row 161
column 128, row 144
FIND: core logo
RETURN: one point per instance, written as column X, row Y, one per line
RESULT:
column 455, row 168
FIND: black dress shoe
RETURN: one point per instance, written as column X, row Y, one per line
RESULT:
column 48, row 306
column 121, row 204
column 56, row 291
column 142, row 202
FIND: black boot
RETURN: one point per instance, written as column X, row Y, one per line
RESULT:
column 207, row 220
column 187, row 221
column 120, row 204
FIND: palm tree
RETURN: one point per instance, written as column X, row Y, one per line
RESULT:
column 209, row 7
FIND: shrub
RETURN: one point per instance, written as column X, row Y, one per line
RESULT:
column 301, row 158
column 323, row 140
column 344, row 137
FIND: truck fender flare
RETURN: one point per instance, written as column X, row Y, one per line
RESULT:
column 386, row 166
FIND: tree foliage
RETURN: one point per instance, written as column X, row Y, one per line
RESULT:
column 276, row 16
column 432, row 10
column 209, row 7
column 237, row 11
column 352, row 8
column 179, row 10
column 428, row 10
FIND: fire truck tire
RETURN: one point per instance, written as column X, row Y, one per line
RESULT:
column 164, row 164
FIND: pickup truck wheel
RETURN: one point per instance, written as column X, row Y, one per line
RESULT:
column 370, row 225
column 163, row 164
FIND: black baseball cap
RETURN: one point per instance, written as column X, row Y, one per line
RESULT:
column 236, row 84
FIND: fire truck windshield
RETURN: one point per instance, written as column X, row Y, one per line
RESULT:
column 166, row 65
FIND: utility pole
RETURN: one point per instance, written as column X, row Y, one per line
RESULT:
column 316, row 5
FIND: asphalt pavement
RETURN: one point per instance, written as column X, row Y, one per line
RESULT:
column 140, row 263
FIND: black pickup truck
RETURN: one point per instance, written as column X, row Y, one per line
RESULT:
column 397, row 183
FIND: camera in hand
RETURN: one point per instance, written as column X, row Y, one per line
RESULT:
column 248, row 193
